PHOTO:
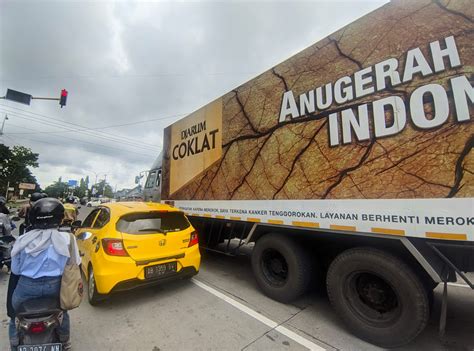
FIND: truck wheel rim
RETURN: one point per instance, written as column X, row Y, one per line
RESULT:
column 274, row 267
column 372, row 299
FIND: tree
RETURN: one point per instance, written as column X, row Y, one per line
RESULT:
column 80, row 191
column 100, row 189
column 14, row 163
column 57, row 189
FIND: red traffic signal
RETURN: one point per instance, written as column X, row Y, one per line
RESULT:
column 63, row 98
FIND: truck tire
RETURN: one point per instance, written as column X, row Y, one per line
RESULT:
column 380, row 299
column 282, row 267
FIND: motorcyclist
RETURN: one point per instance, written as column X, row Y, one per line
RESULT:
column 5, row 222
column 39, row 258
column 3, row 206
column 70, row 210
column 25, row 209
column 5, row 225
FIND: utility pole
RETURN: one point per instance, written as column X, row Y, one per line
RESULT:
column 3, row 124
column 1, row 133
column 96, row 177
column 105, row 182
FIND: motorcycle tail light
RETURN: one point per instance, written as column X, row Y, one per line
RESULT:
column 37, row 327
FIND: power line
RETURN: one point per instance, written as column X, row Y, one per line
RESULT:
column 88, row 142
column 94, row 136
column 120, row 140
column 81, row 141
column 78, row 140
column 145, row 75
column 86, row 128
column 124, row 124
column 64, row 125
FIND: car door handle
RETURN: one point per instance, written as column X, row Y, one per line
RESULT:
column 94, row 239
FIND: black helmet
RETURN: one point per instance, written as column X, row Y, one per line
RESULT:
column 70, row 200
column 46, row 213
column 35, row 197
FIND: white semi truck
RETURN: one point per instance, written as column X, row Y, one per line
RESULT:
column 350, row 165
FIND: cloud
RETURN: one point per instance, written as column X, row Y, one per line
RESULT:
column 133, row 61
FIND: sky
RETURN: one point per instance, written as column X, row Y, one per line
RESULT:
column 133, row 68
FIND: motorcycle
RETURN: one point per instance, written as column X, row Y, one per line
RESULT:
column 6, row 241
column 6, row 245
column 37, row 321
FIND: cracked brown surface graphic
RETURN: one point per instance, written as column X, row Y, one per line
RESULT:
column 265, row 159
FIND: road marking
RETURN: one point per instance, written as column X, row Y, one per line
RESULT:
column 459, row 285
column 260, row 317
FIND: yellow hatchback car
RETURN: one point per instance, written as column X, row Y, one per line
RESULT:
column 126, row 245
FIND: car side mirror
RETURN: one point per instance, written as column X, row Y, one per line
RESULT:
column 84, row 236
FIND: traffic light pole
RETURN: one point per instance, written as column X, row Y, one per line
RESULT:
column 44, row 98
column 23, row 98
column 37, row 98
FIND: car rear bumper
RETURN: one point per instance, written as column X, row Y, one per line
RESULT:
column 184, row 273
column 112, row 273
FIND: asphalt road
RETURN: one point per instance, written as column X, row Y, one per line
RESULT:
column 222, row 309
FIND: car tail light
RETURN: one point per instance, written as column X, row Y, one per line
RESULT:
column 114, row 247
column 193, row 240
column 37, row 327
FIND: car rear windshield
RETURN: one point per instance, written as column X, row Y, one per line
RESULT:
column 152, row 222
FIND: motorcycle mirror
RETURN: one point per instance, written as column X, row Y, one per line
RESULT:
column 76, row 224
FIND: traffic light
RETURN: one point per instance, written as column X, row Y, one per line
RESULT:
column 63, row 98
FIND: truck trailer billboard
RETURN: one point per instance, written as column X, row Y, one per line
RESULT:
column 375, row 116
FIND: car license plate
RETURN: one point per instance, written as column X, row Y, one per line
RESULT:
column 44, row 347
column 160, row 270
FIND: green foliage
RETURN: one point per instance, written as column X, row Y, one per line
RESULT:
column 100, row 189
column 14, row 163
column 58, row 189
column 81, row 190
